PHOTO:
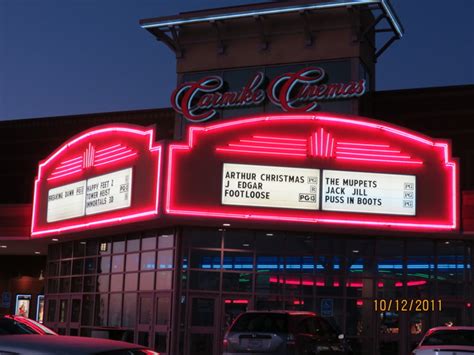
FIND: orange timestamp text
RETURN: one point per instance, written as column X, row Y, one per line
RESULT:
column 407, row 305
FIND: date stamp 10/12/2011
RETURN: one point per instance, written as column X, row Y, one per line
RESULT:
column 407, row 305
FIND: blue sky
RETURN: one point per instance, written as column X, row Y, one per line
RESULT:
column 64, row 57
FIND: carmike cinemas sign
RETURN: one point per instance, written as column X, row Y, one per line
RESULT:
column 301, row 91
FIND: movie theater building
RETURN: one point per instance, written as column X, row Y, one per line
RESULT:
column 274, row 190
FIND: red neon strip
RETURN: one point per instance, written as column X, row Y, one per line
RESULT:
column 316, row 144
column 111, row 152
column 273, row 143
column 311, row 146
column 92, row 156
column 91, row 224
column 255, row 216
column 67, row 174
column 354, row 284
column 257, row 147
column 259, row 152
column 321, row 141
column 369, row 150
column 55, row 172
column 327, row 146
column 228, row 301
column 241, row 302
column 110, row 147
column 64, row 166
column 375, row 155
column 116, row 159
column 364, row 144
column 359, row 303
column 297, row 302
column 413, row 162
column 68, row 167
column 70, row 160
column 332, row 147
column 114, row 155
column 416, row 283
column 281, row 138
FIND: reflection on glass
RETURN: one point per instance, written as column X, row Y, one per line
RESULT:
column 148, row 243
column 101, row 304
column 76, row 284
column 147, row 281
column 75, row 310
column 131, row 281
column 133, row 245
column 116, row 282
column 202, row 312
column 132, row 262
column 62, row 310
column 115, row 309
column 130, row 310
column 64, row 285
column 238, row 282
column 117, row 263
column 103, row 283
column 165, row 259
column 87, row 309
column 66, row 268
column 119, row 247
column 77, row 267
column 237, row 261
column 163, row 280
column 91, row 265
column 163, row 310
column 89, row 283
column 146, row 310
column 148, row 261
column 205, row 259
column 104, row 264
column 204, row 280
column 51, row 310
column 165, row 241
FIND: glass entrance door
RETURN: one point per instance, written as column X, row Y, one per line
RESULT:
column 74, row 315
column 145, row 319
column 202, row 337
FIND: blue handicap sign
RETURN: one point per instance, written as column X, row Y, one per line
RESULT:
column 327, row 305
column 6, row 299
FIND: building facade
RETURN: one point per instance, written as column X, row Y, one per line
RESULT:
column 256, row 199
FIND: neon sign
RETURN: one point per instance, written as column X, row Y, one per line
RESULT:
column 89, row 180
column 359, row 147
column 301, row 91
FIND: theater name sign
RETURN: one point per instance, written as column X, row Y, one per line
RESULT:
column 300, row 91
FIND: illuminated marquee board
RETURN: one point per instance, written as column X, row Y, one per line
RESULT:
column 270, row 186
column 364, row 173
column 347, row 191
column 104, row 176
column 96, row 195
column 351, row 191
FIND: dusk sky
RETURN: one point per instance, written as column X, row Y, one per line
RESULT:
column 65, row 57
